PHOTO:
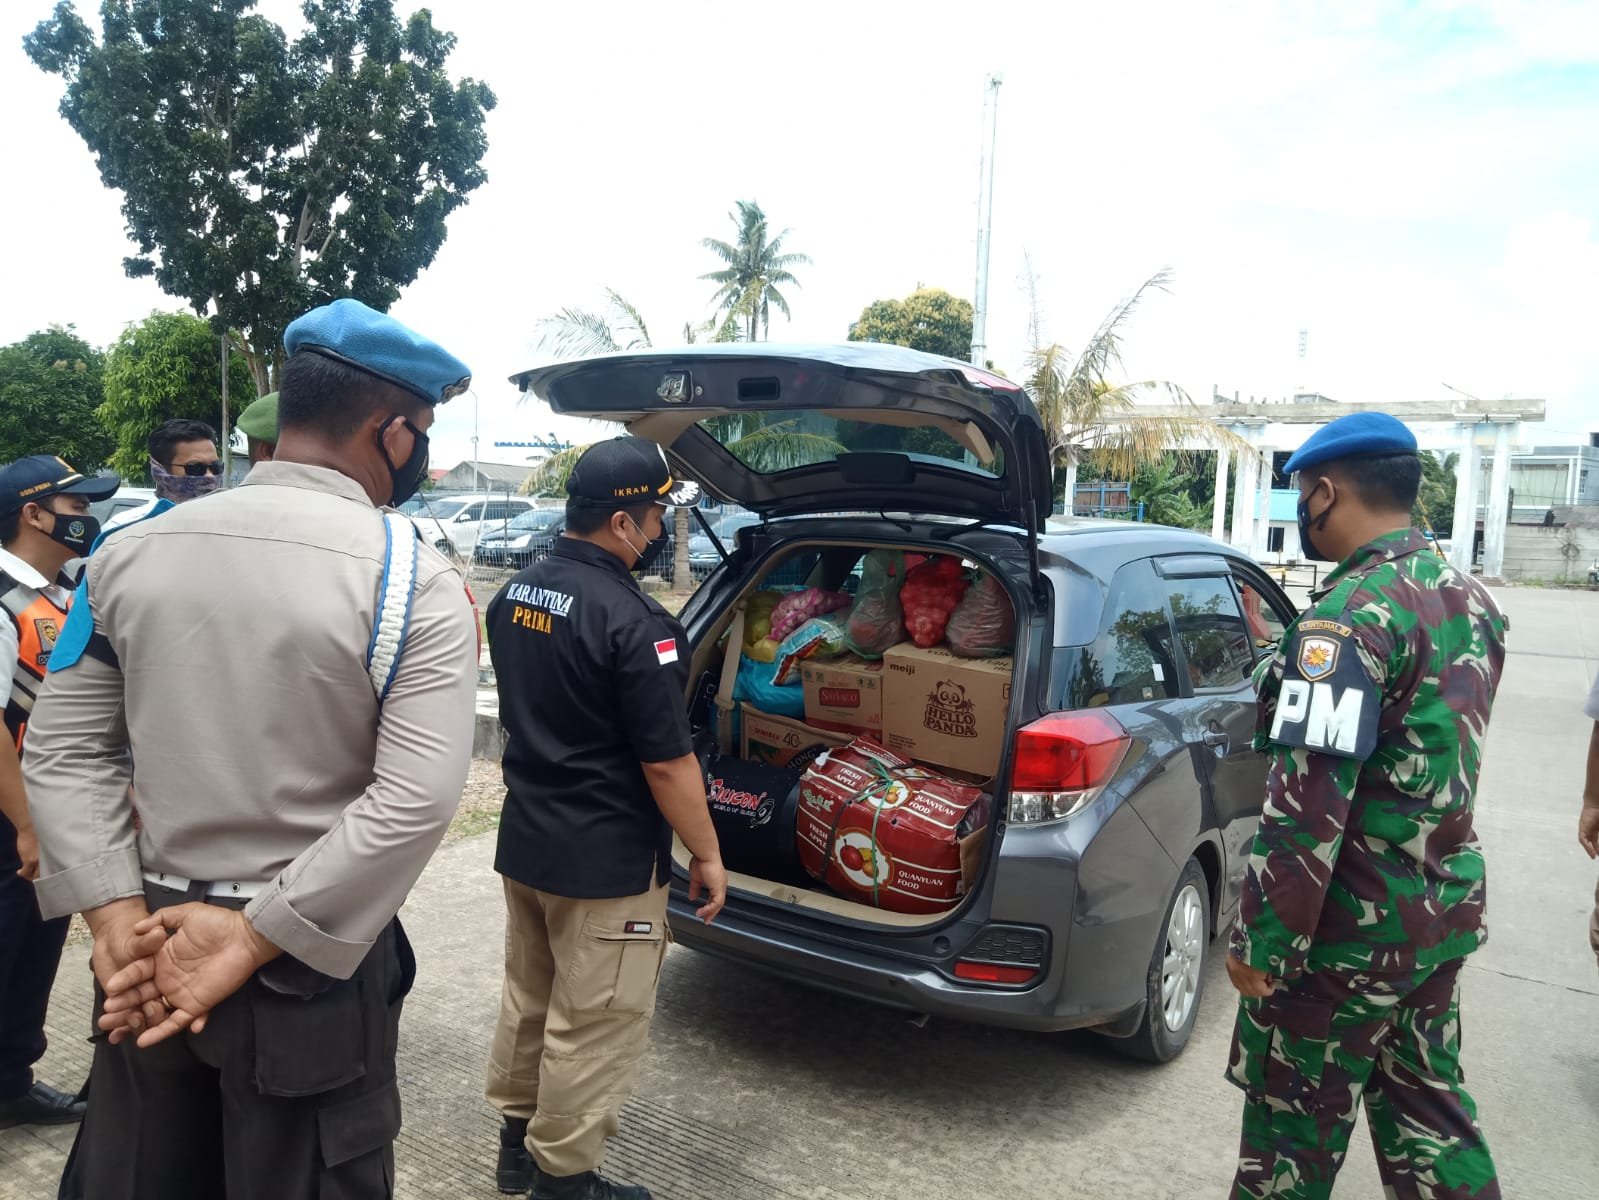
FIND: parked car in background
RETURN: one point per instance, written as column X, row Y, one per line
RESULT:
column 453, row 524
column 128, row 504
column 1126, row 791
column 526, row 539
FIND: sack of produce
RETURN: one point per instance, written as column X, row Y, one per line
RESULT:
column 876, row 622
column 758, row 610
column 798, row 607
column 983, row 624
column 820, row 637
column 879, row 829
column 929, row 597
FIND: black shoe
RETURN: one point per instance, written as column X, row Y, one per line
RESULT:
column 513, row 1174
column 587, row 1186
column 41, row 1105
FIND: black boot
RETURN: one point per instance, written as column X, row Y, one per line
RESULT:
column 587, row 1186
column 513, row 1174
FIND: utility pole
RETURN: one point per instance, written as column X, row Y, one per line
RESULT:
column 477, row 478
column 226, row 431
column 985, row 217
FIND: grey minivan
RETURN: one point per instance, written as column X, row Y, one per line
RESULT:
column 1127, row 790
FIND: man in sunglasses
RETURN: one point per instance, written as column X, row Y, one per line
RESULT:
column 44, row 525
column 184, row 462
column 289, row 794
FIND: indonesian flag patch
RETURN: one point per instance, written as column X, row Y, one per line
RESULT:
column 666, row 652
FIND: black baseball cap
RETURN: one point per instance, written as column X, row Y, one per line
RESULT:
column 43, row 475
column 626, row 471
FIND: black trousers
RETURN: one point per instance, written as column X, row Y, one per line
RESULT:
column 30, row 951
column 285, row 1095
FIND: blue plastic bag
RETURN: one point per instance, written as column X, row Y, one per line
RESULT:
column 756, row 684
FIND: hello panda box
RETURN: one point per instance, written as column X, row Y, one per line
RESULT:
column 945, row 710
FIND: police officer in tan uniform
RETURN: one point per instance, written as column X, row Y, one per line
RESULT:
column 297, row 765
column 599, row 772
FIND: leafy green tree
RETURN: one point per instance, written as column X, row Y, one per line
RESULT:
column 51, row 384
column 1435, row 502
column 1165, row 488
column 929, row 319
column 261, row 178
column 167, row 365
column 755, row 266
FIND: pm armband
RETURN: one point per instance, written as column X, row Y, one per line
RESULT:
column 1328, row 702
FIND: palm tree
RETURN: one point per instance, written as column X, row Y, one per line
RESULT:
column 1087, row 417
column 582, row 333
column 755, row 267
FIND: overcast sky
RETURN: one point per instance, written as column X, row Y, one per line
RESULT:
column 1415, row 185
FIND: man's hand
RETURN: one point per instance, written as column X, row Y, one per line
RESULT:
column 712, row 877
column 28, row 852
column 1588, row 827
column 210, row 954
column 1250, row 981
column 118, row 945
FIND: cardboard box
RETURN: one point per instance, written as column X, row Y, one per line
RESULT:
column 945, row 710
column 781, row 742
column 845, row 696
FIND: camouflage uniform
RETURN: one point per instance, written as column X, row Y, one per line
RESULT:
column 1365, row 888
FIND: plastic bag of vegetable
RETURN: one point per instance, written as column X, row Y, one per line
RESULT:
column 876, row 623
column 983, row 624
column 820, row 637
column 931, row 592
column 798, row 607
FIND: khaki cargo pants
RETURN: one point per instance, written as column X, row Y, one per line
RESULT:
column 580, row 978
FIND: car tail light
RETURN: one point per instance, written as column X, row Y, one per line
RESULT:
column 1063, row 761
column 981, row 972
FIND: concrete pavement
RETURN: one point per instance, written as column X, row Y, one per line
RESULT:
column 755, row 1089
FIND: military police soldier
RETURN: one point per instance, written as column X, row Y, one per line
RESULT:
column 292, row 785
column 599, row 771
column 1365, row 889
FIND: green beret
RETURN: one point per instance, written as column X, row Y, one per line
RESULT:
column 260, row 419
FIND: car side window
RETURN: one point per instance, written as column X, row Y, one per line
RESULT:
column 1265, row 624
column 1131, row 660
column 474, row 512
column 1217, row 649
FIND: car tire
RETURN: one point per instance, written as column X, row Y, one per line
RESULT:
column 1176, row 981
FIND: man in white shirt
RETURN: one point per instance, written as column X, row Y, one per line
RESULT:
column 44, row 525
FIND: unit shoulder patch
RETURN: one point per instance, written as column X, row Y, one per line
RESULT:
column 1328, row 702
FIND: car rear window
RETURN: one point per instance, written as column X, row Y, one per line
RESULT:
column 1130, row 659
column 771, row 442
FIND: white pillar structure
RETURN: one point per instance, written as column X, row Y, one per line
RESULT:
column 1468, row 476
column 1263, row 511
column 1071, row 485
column 1244, row 502
column 1218, row 507
column 1498, row 514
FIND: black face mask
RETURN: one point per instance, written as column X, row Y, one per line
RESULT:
column 75, row 531
column 652, row 549
column 408, row 476
column 1307, row 541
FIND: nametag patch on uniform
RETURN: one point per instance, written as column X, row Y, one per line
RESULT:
column 1327, row 702
column 666, row 652
column 638, row 927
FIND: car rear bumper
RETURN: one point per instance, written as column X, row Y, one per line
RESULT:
column 862, row 972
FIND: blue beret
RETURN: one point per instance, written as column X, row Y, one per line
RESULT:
column 1358, row 435
column 376, row 343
